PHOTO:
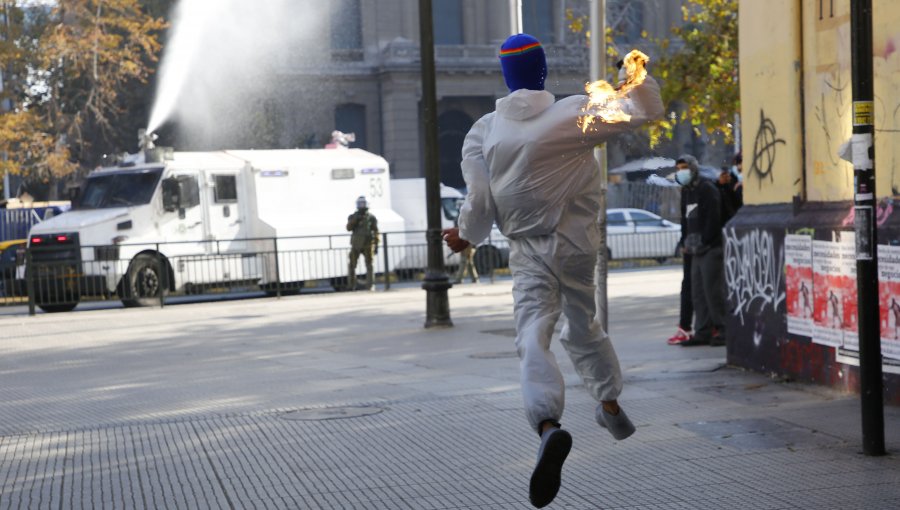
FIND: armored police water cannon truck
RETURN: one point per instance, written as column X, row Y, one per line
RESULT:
column 165, row 221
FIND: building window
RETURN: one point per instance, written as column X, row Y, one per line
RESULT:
column 447, row 16
column 351, row 118
column 537, row 20
column 626, row 18
column 346, row 25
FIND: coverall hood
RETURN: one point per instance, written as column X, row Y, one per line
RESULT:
column 524, row 104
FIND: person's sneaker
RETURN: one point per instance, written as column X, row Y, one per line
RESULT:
column 547, row 474
column 617, row 424
column 680, row 337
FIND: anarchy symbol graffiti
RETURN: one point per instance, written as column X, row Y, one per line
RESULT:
column 764, row 149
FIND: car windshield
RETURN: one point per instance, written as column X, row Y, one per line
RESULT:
column 119, row 189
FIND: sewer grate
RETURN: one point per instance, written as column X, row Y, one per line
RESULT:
column 495, row 355
column 330, row 413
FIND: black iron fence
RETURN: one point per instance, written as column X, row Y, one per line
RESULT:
column 56, row 272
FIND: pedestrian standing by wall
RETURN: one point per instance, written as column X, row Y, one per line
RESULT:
column 701, row 221
column 530, row 168
column 363, row 241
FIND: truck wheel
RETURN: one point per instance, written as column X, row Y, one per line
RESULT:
column 143, row 282
column 62, row 307
column 487, row 258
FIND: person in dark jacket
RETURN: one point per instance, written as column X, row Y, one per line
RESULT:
column 732, row 200
column 701, row 226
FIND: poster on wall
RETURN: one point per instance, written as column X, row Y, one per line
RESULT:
column 889, row 299
column 798, row 269
column 849, row 292
column 834, row 292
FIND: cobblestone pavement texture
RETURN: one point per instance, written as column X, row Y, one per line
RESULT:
column 344, row 401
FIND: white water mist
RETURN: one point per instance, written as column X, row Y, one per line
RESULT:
column 222, row 56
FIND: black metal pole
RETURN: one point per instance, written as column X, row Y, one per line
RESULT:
column 863, row 143
column 437, row 282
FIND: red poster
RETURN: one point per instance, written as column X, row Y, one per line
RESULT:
column 799, row 284
column 834, row 292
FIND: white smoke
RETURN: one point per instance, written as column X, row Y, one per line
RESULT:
column 222, row 57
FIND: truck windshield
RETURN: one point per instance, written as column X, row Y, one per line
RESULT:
column 119, row 189
column 451, row 207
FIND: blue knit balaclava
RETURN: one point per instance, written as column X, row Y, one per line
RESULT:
column 523, row 62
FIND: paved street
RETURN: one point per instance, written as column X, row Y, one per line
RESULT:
column 345, row 401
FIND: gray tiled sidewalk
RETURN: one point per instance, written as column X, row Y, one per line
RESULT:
column 239, row 405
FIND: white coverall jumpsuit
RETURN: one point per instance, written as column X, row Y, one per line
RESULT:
column 530, row 169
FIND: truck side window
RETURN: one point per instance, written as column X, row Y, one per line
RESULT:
column 226, row 188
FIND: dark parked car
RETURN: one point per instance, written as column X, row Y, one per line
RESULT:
column 12, row 254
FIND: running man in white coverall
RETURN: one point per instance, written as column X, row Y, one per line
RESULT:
column 529, row 167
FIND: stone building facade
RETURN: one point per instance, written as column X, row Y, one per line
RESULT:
column 359, row 72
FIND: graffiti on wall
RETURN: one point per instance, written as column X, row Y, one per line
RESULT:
column 754, row 272
column 764, row 149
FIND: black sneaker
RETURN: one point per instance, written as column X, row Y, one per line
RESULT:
column 547, row 475
column 718, row 339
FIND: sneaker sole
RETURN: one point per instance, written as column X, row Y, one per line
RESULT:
column 547, row 475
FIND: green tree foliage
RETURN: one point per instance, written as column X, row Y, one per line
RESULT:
column 696, row 67
column 698, row 70
column 69, row 67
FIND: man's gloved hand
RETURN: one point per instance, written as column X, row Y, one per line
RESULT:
column 451, row 237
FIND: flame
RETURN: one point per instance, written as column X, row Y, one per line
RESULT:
column 604, row 100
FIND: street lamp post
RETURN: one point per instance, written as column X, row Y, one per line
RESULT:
column 437, row 313
column 598, row 72
column 863, row 144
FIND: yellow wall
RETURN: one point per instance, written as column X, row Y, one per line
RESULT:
column 770, row 105
column 828, row 98
column 771, row 61
column 886, row 49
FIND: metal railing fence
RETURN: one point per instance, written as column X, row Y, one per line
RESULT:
column 56, row 276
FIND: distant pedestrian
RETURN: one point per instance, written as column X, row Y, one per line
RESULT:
column 530, row 168
column 738, row 173
column 685, row 331
column 363, row 241
column 701, row 226
column 731, row 199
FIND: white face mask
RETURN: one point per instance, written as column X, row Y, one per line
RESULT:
column 683, row 176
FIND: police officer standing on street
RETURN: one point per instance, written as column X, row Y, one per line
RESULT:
column 363, row 241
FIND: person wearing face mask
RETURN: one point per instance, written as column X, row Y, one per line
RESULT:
column 701, row 230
